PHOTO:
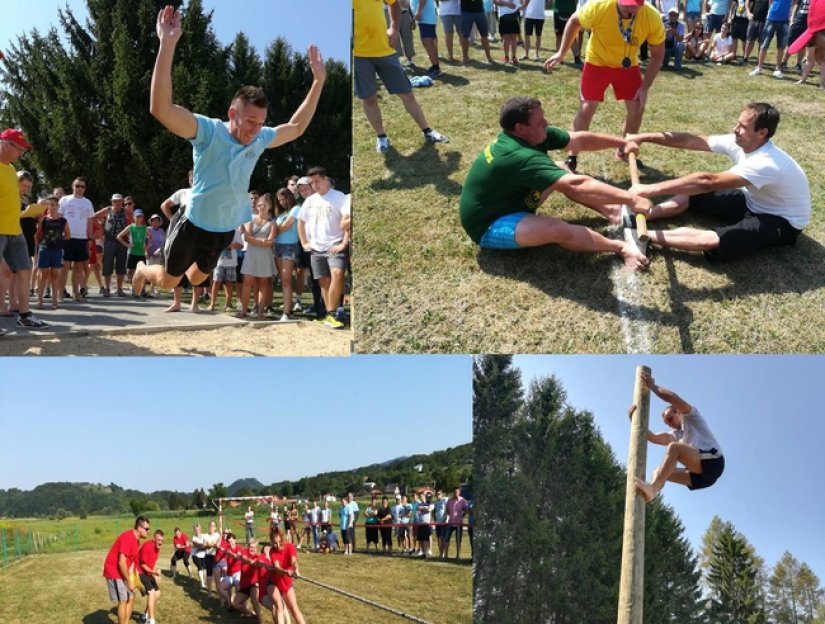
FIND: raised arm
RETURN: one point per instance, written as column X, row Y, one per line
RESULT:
column 668, row 396
column 174, row 118
column 299, row 122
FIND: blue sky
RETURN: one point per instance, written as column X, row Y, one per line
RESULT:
column 326, row 23
column 766, row 412
column 193, row 422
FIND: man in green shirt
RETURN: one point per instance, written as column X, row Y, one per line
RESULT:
column 513, row 176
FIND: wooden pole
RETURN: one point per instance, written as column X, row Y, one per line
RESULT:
column 631, row 583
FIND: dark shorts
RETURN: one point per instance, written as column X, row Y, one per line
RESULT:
column 423, row 532
column 345, row 536
column 426, row 31
column 712, row 469
column 560, row 22
column 533, row 25
column 372, row 533
column 480, row 21
column 76, row 250
column 187, row 244
column 746, row 231
column 209, row 564
column 508, row 24
column 739, row 28
column 798, row 26
column 388, row 68
column 132, row 262
column 181, row 555
column 114, row 258
column 755, row 28
column 458, row 530
column 50, row 258
column 304, row 258
column 713, row 22
column 200, row 562
column 149, row 582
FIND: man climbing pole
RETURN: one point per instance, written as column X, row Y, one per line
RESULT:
column 690, row 443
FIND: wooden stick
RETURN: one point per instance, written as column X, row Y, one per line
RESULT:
column 641, row 221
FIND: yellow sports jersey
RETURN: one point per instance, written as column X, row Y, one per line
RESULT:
column 9, row 201
column 370, row 28
column 607, row 46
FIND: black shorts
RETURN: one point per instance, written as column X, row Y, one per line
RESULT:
column 739, row 28
column 149, row 582
column 345, row 536
column 423, row 532
column 746, row 231
column 458, row 530
column 755, row 28
column 200, row 562
column 560, row 21
column 798, row 26
column 208, row 560
column 303, row 259
column 76, row 250
column 132, row 261
column 508, row 24
column 712, row 469
column 180, row 555
column 531, row 25
column 187, row 244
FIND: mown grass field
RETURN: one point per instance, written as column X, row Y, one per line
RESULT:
column 423, row 286
column 69, row 587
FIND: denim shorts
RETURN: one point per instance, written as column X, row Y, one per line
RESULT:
column 287, row 251
column 781, row 29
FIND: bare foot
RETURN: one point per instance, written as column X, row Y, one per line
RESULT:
column 211, row 308
column 646, row 490
column 194, row 309
column 633, row 258
column 175, row 307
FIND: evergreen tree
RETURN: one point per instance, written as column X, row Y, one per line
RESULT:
column 732, row 581
column 794, row 595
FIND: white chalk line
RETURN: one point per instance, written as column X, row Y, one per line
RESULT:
column 627, row 286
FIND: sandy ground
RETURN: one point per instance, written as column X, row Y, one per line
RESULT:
column 305, row 338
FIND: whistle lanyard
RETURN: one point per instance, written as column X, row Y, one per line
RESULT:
column 627, row 37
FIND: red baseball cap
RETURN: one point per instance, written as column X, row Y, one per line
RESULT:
column 631, row 2
column 15, row 136
column 816, row 22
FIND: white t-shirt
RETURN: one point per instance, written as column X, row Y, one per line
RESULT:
column 77, row 211
column 777, row 184
column 229, row 257
column 666, row 5
column 322, row 216
column 535, row 10
column 449, row 7
column 721, row 44
column 505, row 10
column 696, row 433
column 181, row 197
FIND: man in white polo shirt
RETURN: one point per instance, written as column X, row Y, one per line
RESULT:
column 323, row 232
column 764, row 200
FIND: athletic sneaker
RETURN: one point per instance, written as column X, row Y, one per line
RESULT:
column 798, row 68
column 83, row 292
column 778, row 73
column 382, row 144
column 434, row 72
column 120, row 292
column 285, row 317
column 755, row 72
column 572, row 162
column 334, row 323
column 107, row 292
column 30, row 321
column 433, row 136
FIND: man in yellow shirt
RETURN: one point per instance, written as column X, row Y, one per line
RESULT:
column 13, row 248
column 374, row 52
column 618, row 28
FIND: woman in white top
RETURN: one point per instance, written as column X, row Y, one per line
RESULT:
column 721, row 50
column 199, row 553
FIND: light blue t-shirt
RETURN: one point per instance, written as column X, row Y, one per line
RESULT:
column 780, row 11
column 428, row 14
column 693, row 6
column 441, row 510
column 343, row 517
column 290, row 237
column 222, row 170
column 719, row 7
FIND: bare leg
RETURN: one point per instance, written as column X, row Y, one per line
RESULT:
column 292, row 605
column 534, row 230
column 587, row 108
column 177, row 293
column 677, row 453
column 669, row 208
column 633, row 120
column 373, row 113
column 413, row 108
column 687, row 239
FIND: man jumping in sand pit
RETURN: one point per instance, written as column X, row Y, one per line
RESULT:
column 690, row 443
column 513, row 176
column 224, row 156
column 763, row 200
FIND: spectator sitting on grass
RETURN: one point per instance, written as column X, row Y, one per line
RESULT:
column 721, row 50
column 696, row 44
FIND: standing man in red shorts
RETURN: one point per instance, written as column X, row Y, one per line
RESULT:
column 119, row 566
column 618, row 28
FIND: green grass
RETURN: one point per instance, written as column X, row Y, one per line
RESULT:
column 421, row 285
column 70, row 588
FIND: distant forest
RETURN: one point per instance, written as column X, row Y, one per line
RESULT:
column 442, row 469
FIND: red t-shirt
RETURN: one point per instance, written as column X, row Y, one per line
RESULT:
column 181, row 541
column 263, row 573
column 219, row 554
column 249, row 573
column 284, row 558
column 233, row 565
column 126, row 544
column 148, row 556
